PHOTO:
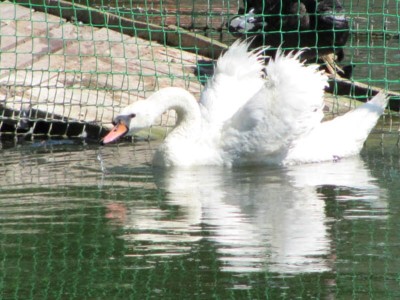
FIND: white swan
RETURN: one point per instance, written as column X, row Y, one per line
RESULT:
column 196, row 138
column 243, row 118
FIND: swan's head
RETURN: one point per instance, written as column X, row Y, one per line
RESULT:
column 132, row 119
column 143, row 113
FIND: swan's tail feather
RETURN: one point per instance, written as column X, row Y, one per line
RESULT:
column 366, row 115
column 380, row 100
column 341, row 137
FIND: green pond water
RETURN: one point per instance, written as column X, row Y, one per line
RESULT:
column 79, row 221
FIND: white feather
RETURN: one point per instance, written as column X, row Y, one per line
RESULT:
column 287, row 107
column 243, row 118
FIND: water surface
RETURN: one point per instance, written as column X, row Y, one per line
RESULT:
column 79, row 221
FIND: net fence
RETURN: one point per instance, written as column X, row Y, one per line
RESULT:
column 77, row 225
column 66, row 68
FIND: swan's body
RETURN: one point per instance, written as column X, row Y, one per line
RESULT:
column 243, row 118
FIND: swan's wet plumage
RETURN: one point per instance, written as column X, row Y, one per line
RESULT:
column 243, row 118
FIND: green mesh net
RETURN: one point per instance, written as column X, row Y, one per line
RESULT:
column 66, row 68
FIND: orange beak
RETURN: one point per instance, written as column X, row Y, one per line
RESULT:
column 118, row 131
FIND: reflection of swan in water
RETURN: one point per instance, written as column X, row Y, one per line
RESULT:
column 256, row 218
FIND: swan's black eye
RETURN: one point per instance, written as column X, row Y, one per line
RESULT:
column 124, row 119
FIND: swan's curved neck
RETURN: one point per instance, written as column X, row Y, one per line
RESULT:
column 180, row 100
